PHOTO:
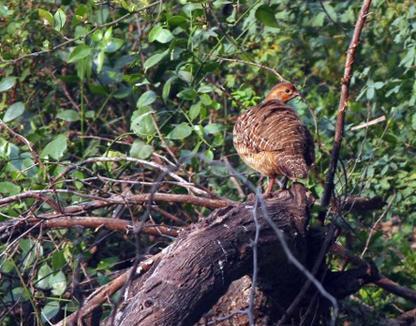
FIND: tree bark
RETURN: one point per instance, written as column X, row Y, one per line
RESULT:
column 198, row 268
column 194, row 274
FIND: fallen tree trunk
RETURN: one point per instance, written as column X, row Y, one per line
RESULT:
column 197, row 269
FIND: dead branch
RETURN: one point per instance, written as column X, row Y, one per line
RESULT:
column 118, row 199
column 374, row 276
column 343, row 101
column 151, row 164
column 102, row 294
column 88, row 222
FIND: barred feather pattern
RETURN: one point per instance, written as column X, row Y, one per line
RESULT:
column 271, row 139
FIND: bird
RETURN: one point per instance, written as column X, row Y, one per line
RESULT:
column 271, row 139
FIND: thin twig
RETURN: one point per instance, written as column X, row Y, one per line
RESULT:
column 258, row 65
column 151, row 164
column 23, row 140
column 339, row 129
column 374, row 227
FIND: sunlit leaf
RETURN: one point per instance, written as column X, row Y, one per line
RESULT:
column 13, row 111
column 59, row 19
column 46, row 17
column 155, row 59
column 7, row 83
column 141, row 150
column 146, row 99
column 181, row 131
column 68, row 115
column 80, row 52
column 56, row 148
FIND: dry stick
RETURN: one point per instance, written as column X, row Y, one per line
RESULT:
column 118, row 199
column 369, row 123
column 339, row 130
column 374, row 227
column 151, row 164
column 103, row 293
column 97, row 222
column 381, row 281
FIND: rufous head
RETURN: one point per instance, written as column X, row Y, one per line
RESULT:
column 283, row 92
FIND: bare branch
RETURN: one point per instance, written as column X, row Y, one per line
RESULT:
column 339, row 129
column 92, row 222
column 121, row 200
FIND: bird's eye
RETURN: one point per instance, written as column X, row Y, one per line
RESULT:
column 287, row 90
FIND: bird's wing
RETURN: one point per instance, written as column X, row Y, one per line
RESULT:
column 275, row 127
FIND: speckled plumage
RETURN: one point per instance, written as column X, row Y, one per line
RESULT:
column 271, row 139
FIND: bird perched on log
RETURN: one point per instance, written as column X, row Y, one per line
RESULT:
column 271, row 139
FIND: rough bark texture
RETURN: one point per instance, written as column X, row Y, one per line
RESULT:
column 199, row 267
column 195, row 272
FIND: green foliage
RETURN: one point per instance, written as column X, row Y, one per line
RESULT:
column 81, row 80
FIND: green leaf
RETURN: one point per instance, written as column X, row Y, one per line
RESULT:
column 187, row 94
column 80, row 52
column 195, row 110
column 213, row 128
column 46, row 17
column 265, row 14
column 68, row 115
column 13, row 111
column 99, row 60
column 175, row 21
column 58, row 283
column 180, row 132
column 414, row 121
column 58, row 259
column 160, row 34
column 146, row 99
column 50, row 310
column 113, row 45
column 167, row 87
column 141, row 150
column 155, row 59
column 59, row 19
column 56, row 148
column 7, row 83
column 378, row 85
column 142, row 123
column 42, row 280
column 9, row 188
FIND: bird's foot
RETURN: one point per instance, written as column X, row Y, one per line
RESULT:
column 283, row 183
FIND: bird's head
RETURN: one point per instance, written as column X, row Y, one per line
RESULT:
column 283, row 92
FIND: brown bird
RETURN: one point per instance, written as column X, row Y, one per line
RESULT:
column 271, row 139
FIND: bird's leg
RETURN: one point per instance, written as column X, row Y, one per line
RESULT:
column 269, row 188
column 283, row 183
